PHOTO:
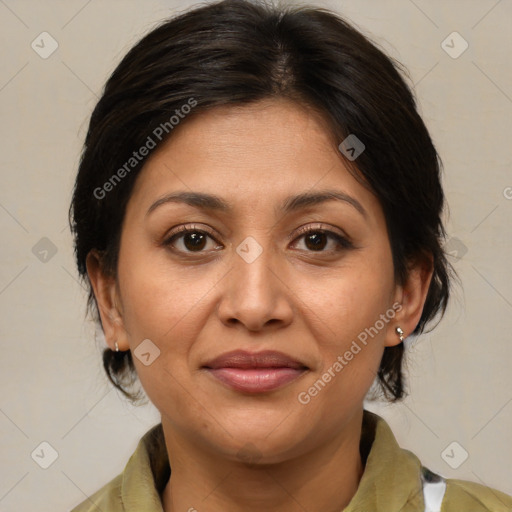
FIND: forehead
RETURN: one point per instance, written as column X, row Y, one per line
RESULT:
column 271, row 130
column 251, row 155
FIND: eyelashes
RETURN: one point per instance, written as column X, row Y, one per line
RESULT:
column 194, row 239
column 184, row 231
column 341, row 241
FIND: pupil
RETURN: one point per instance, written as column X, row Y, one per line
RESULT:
column 194, row 241
column 317, row 239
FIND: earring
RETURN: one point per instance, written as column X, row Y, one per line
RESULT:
column 400, row 333
column 117, row 346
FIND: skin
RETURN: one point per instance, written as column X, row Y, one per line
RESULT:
column 307, row 301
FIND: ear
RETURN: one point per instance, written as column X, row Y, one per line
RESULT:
column 106, row 293
column 411, row 296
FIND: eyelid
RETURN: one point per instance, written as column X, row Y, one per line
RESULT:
column 185, row 228
column 318, row 226
column 342, row 240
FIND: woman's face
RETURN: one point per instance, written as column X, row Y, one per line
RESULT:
column 249, row 278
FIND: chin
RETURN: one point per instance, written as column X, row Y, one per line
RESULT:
column 258, row 440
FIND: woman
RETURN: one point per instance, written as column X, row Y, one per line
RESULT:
column 258, row 215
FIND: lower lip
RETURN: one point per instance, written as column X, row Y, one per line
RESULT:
column 256, row 380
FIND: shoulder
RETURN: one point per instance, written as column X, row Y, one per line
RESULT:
column 139, row 486
column 106, row 498
column 469, row 496
column 452, row 495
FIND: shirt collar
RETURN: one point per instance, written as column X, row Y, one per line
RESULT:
column 391, row 480
column 146, row 473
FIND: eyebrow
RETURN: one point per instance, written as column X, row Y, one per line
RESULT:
column 290, row 204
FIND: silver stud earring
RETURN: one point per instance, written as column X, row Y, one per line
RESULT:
column 117, row 346
column 400, row 333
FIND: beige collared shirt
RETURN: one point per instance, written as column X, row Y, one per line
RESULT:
column 393, row 480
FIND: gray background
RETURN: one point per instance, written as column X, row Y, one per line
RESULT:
column 53, row 387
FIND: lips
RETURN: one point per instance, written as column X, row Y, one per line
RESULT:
column 255, row 372
column 244, row 360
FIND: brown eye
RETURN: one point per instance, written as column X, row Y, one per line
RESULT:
column 194, row 241
column 189, row 240
column 316, row 240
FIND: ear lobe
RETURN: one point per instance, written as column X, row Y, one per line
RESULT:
column 411, row 296
column 105, row 292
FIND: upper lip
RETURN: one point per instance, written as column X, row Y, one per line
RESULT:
column 245, row 360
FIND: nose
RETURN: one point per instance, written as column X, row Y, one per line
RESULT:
column 256, row 294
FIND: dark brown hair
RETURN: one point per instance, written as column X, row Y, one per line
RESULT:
column 236, row 52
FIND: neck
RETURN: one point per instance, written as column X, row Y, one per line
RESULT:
column 325, row 478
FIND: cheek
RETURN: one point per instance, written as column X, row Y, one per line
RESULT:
column 356, row 311
column 158, row 305
column 354, row 302
column 161, row 302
